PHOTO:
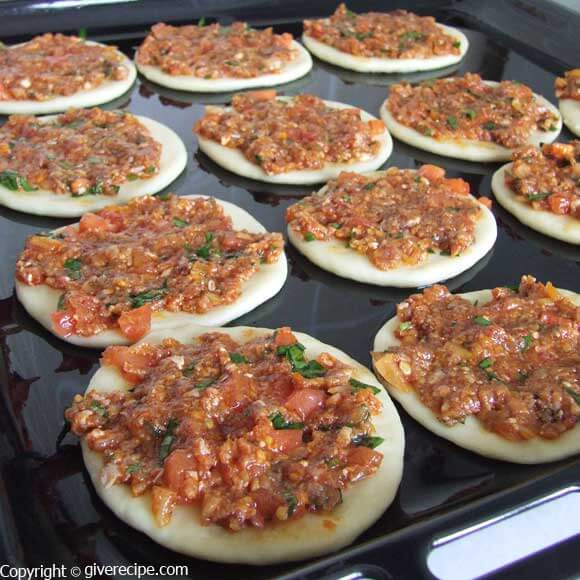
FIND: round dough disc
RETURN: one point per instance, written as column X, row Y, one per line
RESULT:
column 311, row 535
column 468, row 149
column 561, row 227
column 234, row 160
column 41, row 301
column 471, row 434
column 295, row 69
column 47, row 203
column 334, row 256
column 104, row 93
column 367, row 64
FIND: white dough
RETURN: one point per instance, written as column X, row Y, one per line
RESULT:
column 234, row 160
column 386, row 65
column 47, row 203
column 561, row 227
column 334, row 256
column 483, row 151
column 471, row 434
column 295, row 69
column 309, row 536
column 41, row 301
column 104, row 93
column 570, row 109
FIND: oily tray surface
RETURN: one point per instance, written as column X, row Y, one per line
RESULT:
column 55, row 514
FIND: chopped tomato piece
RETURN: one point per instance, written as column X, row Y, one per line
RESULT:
column 266, row 503
column 286, row 440
column 63, row 322
column 364, row 456
column 131, row 363
column 376, row 126
column 305, row 401
column 485, row 201
column 175, row 466
column 284, row 337
column 458, row 185
column 136, row 323
column 91, row 222
column 162, row 504
column 559, row 203
column 432, row 172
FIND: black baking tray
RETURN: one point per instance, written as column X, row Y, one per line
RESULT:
column 50, row 512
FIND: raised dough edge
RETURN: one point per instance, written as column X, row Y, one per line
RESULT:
column 561, row 227
column 471, row 435
column 366, row 64
column 41, row 301
column 464, row 148
column 295, row 69
column 570, row 109
column 234, row 160
column 310, row 536
column 335, row 257
column 173, row 161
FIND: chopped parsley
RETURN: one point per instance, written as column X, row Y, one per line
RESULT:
column 82, row 33
column 134, row 468
column 405, row 326
column 164, row 196
column 238, row 358
column 142, row 298
column 179, row 223
column 204, row 384
column 206, row 250
column 258, row 159
column 15, row 182
column 485, row 363
column 456, row 44
column 278, row 422
column 201, row 22
column 366, row 441
column 150, row 169
column 526, row 342
column 482, row 321
column 100, row 409
column 291, row 502
column 359, row 386
column 489, row 126
column 295, row 355
column 573, row 394
column 538, row 196
column 167, row 441
column 412, row 35
column 370, row 185
column 335, row 225
column 73, row 268
column 61, row 301
column 309, row 237
column 188, row 370
column 428, row 132
column 470, row 113
column 452, row 122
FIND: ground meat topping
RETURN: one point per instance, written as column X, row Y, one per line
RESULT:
column 122, row 263
column 396, row 219
column 548, row 178
column 468, row 108
column 54, row 65
column 81, row 152
column 397, row 34
column 215, row 51
column 513, row 363
column 251, row 433
column 568, row 87
column 283, row 134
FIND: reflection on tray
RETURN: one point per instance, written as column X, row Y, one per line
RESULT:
column 261, row 191
column 183, row 99
column 351, row 77
column 517, row 231
column 305, row 270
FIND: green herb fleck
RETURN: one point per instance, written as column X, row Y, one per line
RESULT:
column 538, row 196
column 485, row 363
column 73, row 268
column 369, row 185
column 452, row 122
column 309, row 237
column 179, row 223
column 366, row 441
column 489, row 126
column 238, row 358
column 162, row 196
column 295, row 355
column 188, row 370
column 61, row 302
column 291, row 502
column 335, row 225
column 138, row 300
column 150, row 169
column 258, row 159
column 100, row 409
column 278, row 422
column 526, row 342
column 359, row 386
column 82, row 33
column 134, row 468
column 201, row 22
column 482, row 321
column 470, row 113
column 405, row 326
column 15, row 182
column 167, row 441
column 132, row 177
column 445, row 253
column 206, row 250
column 573, row 394
column 204, row 384
column 456, row 44
column 412, row 35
